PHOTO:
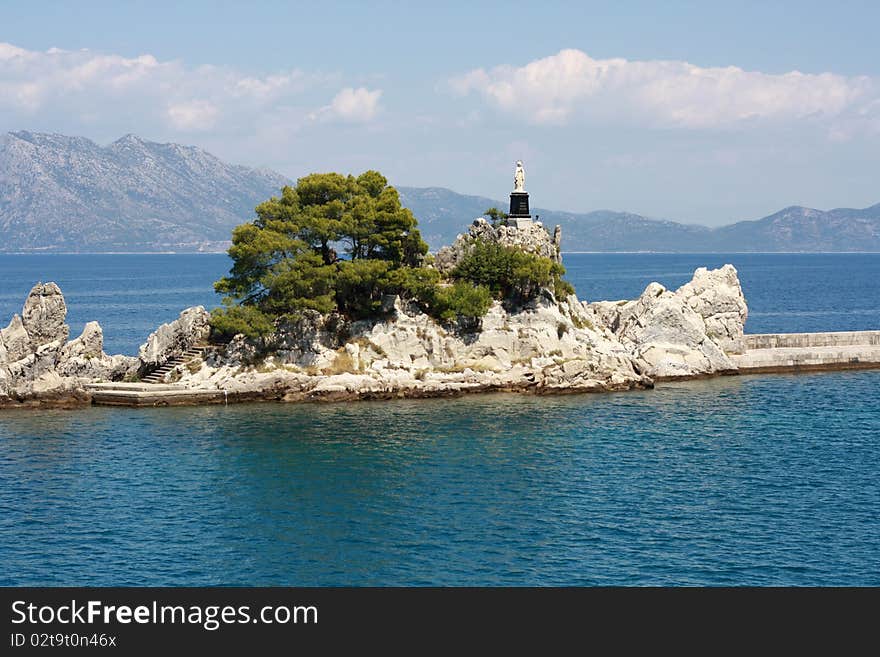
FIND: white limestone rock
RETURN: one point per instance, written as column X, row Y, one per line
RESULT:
column 663, row 332
column 90, row 343
column 43, row 315
column 549, row 345
column 716, row 295
column 84, row 358
column 546, row 346
column 23, row 374
column 310, row 340
column 15, row 341
column 175, row 338
column 532, row 238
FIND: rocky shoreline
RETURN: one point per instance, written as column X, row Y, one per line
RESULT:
column 549, row 346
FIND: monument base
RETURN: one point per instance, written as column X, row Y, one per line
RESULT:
column 519, row 222
column 519, row 204
column 519, row 216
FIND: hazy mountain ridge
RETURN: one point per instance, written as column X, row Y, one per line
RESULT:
column 68, row 194
column 793, row 229
column 61, row 193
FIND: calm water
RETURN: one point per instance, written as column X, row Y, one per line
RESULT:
column 131, row 294
column 742, row 480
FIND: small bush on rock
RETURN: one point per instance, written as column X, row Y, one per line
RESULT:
column 461, row 300
column 250, row 321
column 508, row 272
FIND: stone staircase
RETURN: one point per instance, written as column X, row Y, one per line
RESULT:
column 157, row 376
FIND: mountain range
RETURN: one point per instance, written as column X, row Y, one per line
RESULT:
column 442, row 213
column 68, row 194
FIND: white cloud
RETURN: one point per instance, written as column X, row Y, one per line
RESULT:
column 194, row 115
column 8, row 51
column 68, row 90
column 351, row 105
column 570, row 85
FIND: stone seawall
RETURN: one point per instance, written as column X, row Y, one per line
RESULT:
column 803, row 352
column 801, row 340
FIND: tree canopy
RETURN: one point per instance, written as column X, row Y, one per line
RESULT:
column 341, row 243
column 496, row 216
column 288, row 259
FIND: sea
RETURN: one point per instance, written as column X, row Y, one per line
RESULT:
column 746, row 480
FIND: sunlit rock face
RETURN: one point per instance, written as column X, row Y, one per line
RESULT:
column 37, row 361
column 546, row 345
column 531, row 238
column 684, row 333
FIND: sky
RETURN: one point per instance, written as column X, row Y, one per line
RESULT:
column 700, row 112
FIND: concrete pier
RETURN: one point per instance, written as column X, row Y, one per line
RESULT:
column 804, row 352
column 151, row 394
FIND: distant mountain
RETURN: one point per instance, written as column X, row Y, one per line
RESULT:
column 443, row 213
column 804, row 229
column 67, row 194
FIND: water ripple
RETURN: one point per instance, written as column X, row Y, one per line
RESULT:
column 746, row 480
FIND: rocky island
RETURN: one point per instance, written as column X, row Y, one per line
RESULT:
column 548, row 345
column 444, row 331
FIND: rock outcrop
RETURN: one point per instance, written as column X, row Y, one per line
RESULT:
column 84, row 358
column 549, row 345
column 717, row 297
column 533, row 238
column 15, row 343
column 173, row 339
column 43, row 315
column 36, row 362
column 664, row 335
column 684, row 333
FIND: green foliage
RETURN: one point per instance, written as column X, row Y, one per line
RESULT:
column 286, row 259
column 461, row 300
column 510, row 273
column 562, row 288
column 298, row 283
column 360, row 285
column 419, row 283
column 249, row 320
column 496, row 216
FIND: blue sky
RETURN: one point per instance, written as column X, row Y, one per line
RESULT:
column 701, row 112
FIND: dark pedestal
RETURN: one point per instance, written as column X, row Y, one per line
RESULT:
column 519, row 205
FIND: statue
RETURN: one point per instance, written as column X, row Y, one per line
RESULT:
column 519, row 177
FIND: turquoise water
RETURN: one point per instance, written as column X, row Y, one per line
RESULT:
column 740, row 480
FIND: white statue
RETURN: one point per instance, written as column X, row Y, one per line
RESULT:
column 519, row 178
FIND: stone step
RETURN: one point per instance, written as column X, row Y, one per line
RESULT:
column 155, row 377
column 131, row 387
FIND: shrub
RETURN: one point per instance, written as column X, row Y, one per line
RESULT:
column 461, row 300
column 562, row 288
column 510, row 273
column 360, row 285
column 419, row 283
column 248, row 320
